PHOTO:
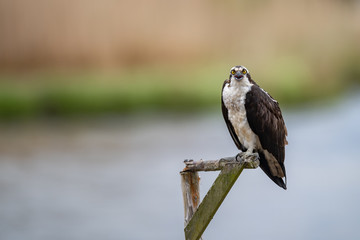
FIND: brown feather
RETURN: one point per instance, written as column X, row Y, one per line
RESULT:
column 266, row 121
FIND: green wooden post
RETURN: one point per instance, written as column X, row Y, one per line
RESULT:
column 230, row 172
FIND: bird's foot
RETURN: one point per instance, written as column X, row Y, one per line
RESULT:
column 239, row 156
column 249, row 158
column 246, row 156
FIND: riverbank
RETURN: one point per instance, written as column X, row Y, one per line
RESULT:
column 183, row 89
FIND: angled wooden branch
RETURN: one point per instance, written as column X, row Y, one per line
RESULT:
column 198, row 218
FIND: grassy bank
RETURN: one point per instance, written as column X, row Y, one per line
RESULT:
column 39, row 94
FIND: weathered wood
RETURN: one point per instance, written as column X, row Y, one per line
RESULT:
column 231, row 168
column 191, row 193
column 215, row 165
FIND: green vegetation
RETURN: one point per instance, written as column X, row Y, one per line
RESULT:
column 298, row 58
column 166, row 89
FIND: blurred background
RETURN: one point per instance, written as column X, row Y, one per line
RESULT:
column 101, row 101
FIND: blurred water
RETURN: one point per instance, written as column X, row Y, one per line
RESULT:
column 119, row 178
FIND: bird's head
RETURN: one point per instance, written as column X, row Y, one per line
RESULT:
column 238, row 74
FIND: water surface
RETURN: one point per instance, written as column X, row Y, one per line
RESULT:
column 119, row 178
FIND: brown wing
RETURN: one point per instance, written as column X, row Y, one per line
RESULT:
column 266, row 121
column 228, row 123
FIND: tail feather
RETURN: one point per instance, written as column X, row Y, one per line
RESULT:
column 265, row 167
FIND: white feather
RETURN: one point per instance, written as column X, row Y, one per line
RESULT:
column 234, row 95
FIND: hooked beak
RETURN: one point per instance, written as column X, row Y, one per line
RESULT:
column 238, row 75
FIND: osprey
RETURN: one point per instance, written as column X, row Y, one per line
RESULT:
column 255, row 122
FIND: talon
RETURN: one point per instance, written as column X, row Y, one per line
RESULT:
column 250, row 156
column 239, row 156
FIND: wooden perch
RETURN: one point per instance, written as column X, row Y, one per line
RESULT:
column 249, row 161
column 191, row 194
column 198, row 218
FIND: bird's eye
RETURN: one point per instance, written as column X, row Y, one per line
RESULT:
column 244, row 71
column 233, row 72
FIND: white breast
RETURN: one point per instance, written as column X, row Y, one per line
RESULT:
column 234, row 95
